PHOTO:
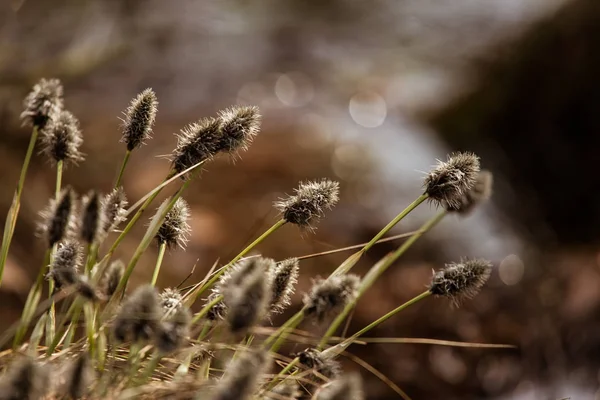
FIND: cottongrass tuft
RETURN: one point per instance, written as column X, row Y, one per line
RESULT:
column 139, row 119
column 324, row 365
column 328, row 297
column 450, row 180
column 138, row 318
column 309, row 203
column 61, row 139
column 173, row 330
column 85, row 289
column 43, row 103
column 92, row 222
column 284, row 276
column 197, row 142
column 174, row 230
column 242, row 376
column 463, row 280
column 239, row 126
column 348, row 387
column 112, row 277
column 59, row 218
column 113, row 208
column 25, row 380
column 66, row 263
column 481, row 192
column 171, row 299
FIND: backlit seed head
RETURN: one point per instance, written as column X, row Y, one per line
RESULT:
column 139, row 119
column 61, row 139
column 25, row 379
column 242, row 376
column 171, row 299
column 197, row 142
column 449, row 181
column 85, row 288
column 239, row 126
column 173, row 330
column 323, row 365
column 92, row 219
column 175, row 229
column 309, row 203
column 59, row 218
column 139, row 316
column 113, row 276
column 480, row 193
column 247, row 302
column 113, row 208
column 65, row 264
column 328, row 297
column 43, row 103
column 284, row 276
column 463, row 280
column 348, row 387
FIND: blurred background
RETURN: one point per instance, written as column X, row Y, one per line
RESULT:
column 370, row 94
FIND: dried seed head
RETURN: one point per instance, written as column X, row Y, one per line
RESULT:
column 288, row 390
column 113, row 208
column 139, row 316
column 171, row 299
column 239, row 126
column 480, row 193
column 196, row 143
column 113, row 276
column 139, row 119
column 59, row 218
column 323, row 365
column 462, row 280
column 25, row 379
column 66, row 263
column 175, row 229
column 348, row 387
column 309, row 203
column 92, row 219
column 61, row 139
column 43, row 103
column 217, row 311
column 328, row 297
column 247, row 302
column 284, row 277
column 242, row 376
column 449, row 181
column 174, row 330
column 79, row 376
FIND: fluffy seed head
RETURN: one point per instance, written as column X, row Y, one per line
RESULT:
column 348, row 387
column 43, row 103
column 113, row 276
column 175, row 229
column 66, row 263
column 480, row 193
column 283, row 276
column 323, row 365
column 239, row 126
column 139, row 119
column 61, row 139
column 85, row 289
column 171, row 299
column 242, row 376
column 92, row 219
column 58, row 219
column 449, row 181
column 196, row 143
column 327, row 297
column 462, row 280
column 25, row 379
column 139, row 316
column 173, row 330
column 79, row 376
column 309, row 203
column 113, row 208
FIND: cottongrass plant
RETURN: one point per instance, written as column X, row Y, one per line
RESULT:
column 147, row 343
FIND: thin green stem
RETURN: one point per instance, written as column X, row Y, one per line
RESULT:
column 59, row 173
column 282, row 373
column 159, row 259
column 122, row 170
column 91, row 258
column 13, row 213
column 376, row 271
column 283, row 332
column 206, row 309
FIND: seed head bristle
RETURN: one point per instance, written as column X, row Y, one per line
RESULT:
column 196, row 143
column 175, row 229
column 327, row 297
column 239, row 126
column 139, row 316
column 25, row 379
column 173, row 330
column 480, row 193
column 322, row 364
column 59, row 218
column 113, row 208
column 43, row 103
column 449, row 181
column 463, row 280
column 309, row 203
column 348, row 387
column 284, row 276
column 65, row 264
column 61, row 139
column 113, row 276
column 78, row 377
column 171, row 299
column 92, row 219
column 242, row 376
column 139, row 119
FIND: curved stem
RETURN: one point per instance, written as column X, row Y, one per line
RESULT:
column 159, row 259
column 122, row 170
